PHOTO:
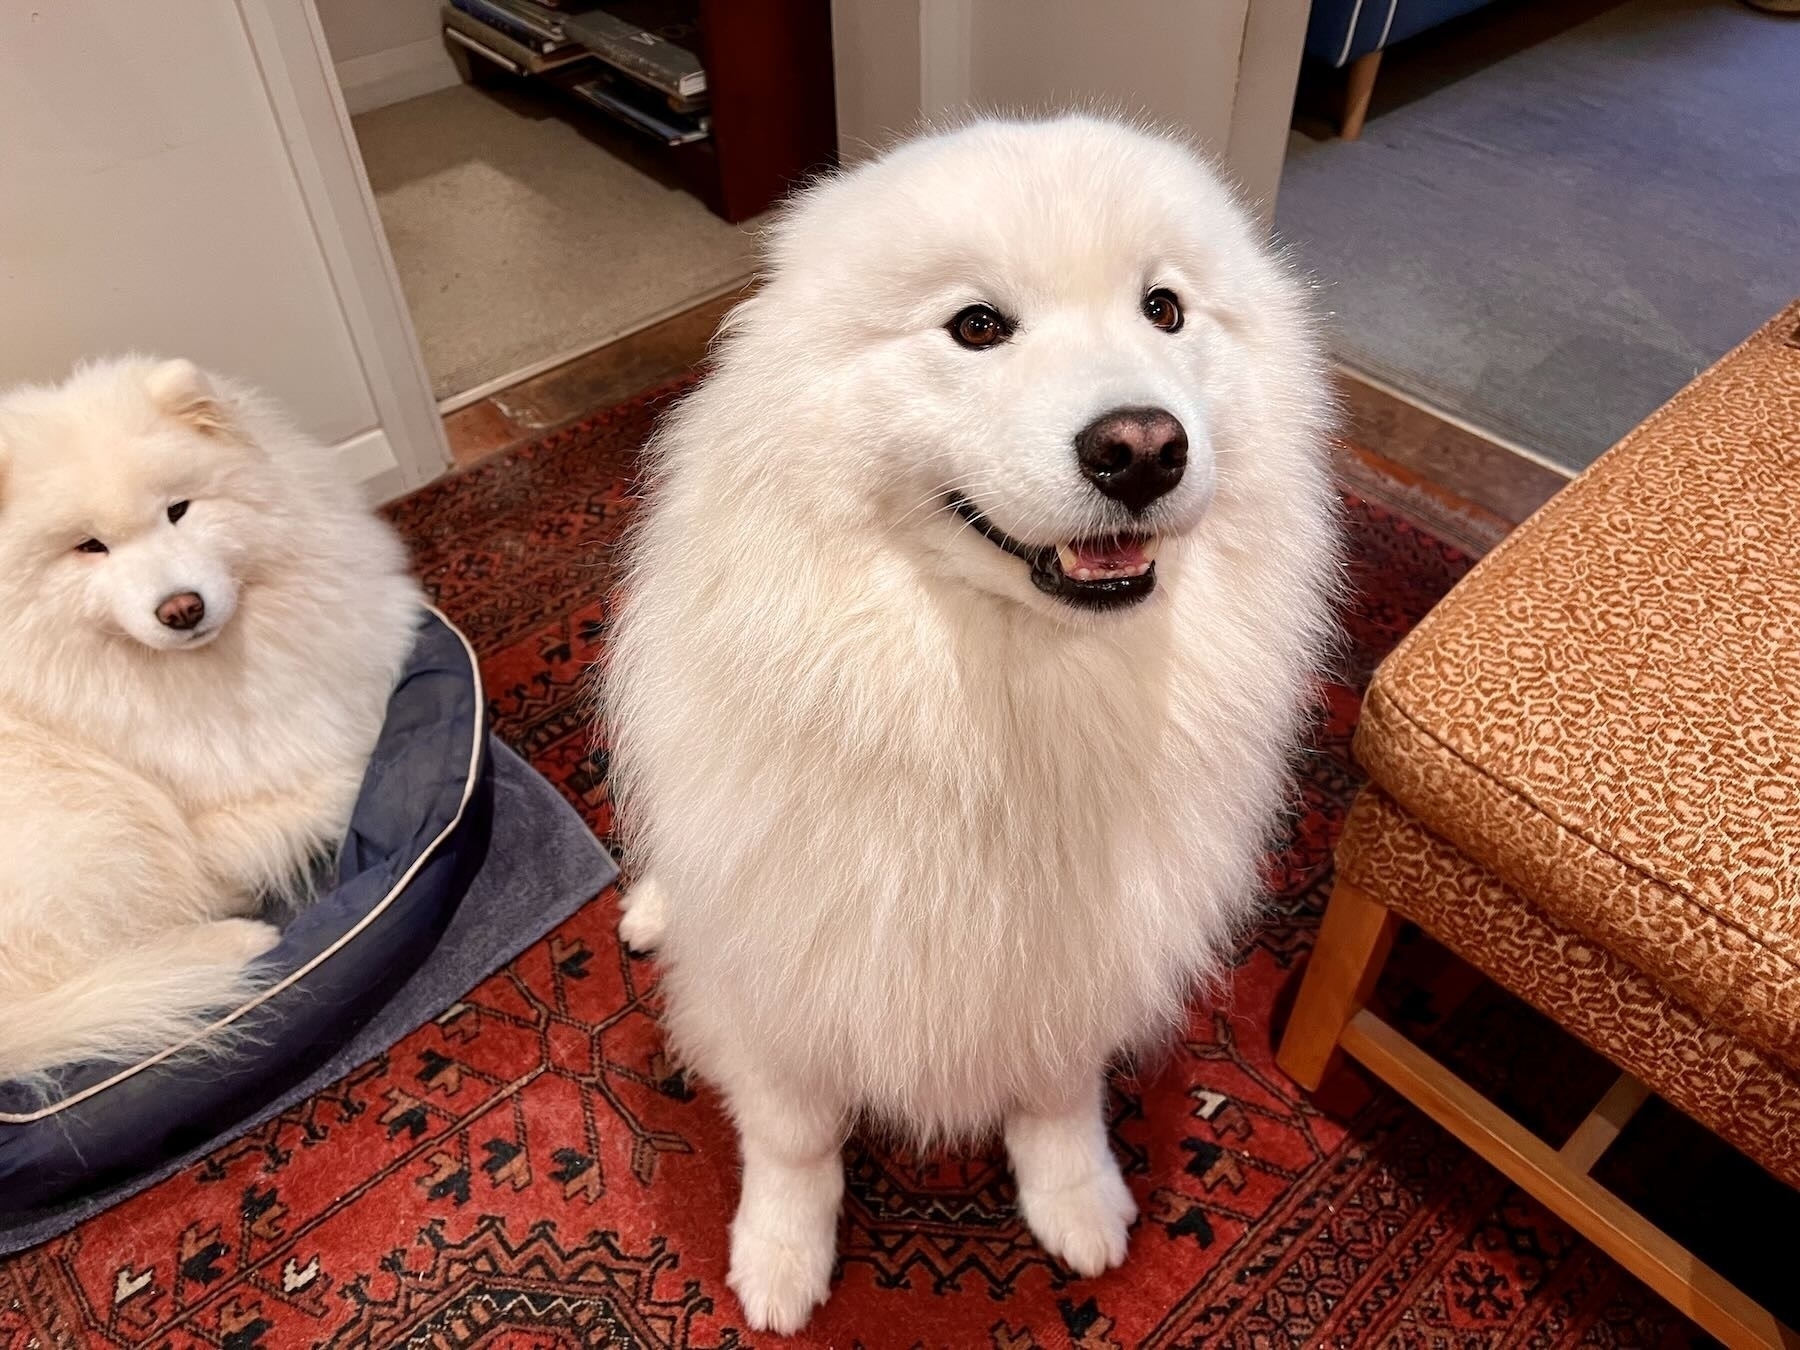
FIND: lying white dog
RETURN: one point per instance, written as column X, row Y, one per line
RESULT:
column 199, row 630
column 967, row 633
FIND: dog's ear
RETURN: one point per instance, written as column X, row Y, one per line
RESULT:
column 182, row 391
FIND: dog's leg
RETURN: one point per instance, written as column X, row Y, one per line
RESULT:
column 784, row 1238
column 642, row 915
column 1070, row 1191
column 268, row 841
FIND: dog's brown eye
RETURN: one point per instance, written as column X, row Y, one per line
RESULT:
column 177, row 511
column 90, row 546
column 1164, row 310
column 979, row 326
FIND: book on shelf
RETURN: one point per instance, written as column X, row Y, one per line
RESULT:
column 640, row 108
column 527, row 24
column 544, row 16
column 651, row 42
column 485, row 40
column 699, row 103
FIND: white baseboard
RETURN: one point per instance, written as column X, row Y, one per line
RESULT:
column 369, row 459
column 396, row 74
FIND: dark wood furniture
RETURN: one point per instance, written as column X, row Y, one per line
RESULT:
column 772, row 106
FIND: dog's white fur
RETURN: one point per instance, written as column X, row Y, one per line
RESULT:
column 155, row 784
column 918, row 841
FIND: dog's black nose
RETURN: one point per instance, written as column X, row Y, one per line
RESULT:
column 181, row 612
column 1133, row 455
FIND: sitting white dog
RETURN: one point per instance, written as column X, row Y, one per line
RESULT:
column 968, row 629
column 200, row 626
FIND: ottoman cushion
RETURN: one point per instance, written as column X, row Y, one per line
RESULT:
column 1605, row 714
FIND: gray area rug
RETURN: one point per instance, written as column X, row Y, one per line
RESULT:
column 1551, row 247
column 543, row 864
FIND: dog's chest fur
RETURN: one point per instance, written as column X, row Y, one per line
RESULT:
column 953, row 862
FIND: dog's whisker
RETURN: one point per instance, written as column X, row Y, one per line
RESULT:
column 937, row 497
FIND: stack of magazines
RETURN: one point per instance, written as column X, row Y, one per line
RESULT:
column 634, row 58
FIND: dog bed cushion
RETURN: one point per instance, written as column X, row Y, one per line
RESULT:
column 418, row 833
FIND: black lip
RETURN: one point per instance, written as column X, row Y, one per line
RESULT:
column 1046, row 568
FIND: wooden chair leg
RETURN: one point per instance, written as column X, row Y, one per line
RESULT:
column 1329, row 1019
column 1559, row 1179
column 1358, row 87
column 1346, row 961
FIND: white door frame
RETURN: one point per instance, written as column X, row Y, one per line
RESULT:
column 408, row 448
column 902, row 63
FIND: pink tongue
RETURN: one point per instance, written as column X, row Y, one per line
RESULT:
column 1109, row 554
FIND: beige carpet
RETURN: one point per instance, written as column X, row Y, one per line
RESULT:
column 522, row 236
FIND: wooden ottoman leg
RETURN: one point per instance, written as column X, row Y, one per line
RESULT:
column 1346, row 961
column 1359, row 87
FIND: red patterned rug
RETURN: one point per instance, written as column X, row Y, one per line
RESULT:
column 529, row 1170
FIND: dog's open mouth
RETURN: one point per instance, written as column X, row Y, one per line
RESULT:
column 1104, row 572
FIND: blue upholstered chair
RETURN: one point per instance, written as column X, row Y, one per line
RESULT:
column 1354, row 33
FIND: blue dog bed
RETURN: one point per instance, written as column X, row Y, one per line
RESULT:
column 419, row 832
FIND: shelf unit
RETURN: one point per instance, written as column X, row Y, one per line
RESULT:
column 770, row 119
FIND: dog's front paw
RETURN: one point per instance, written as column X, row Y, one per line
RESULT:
column 1085, row 1225
column 643, row 916
column 779, row 1279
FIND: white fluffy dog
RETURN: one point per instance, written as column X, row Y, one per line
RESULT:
column 200, row 627
column 967, row 633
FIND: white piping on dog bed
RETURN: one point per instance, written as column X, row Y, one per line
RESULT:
column 476, row 744
column 1387, row 27
column 1350, row 32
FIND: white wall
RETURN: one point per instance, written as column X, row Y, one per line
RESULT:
column 1224, row 70
column 1268, row 70
column 386, row 50
column 142, row 207
column 178, row 178
column 1173, row 60
column 876, row 49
